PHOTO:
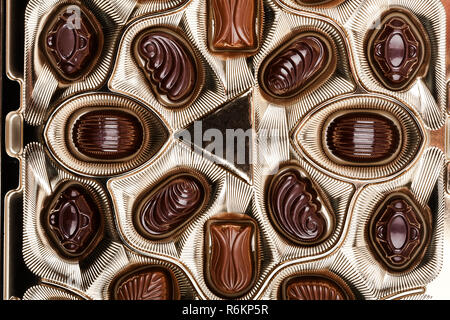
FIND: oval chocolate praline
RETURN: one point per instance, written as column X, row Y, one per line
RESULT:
column 74, row 221
column 107, row 134
column 362, row 137
column 314, row 287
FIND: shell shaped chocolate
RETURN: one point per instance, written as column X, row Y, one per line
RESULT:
column 295, row 209
column 74, row 221
column 363, row 137
column 296, row 66
column 315, row 288
column 169, row 65
column 149, row 284
column 171, row 205
column 107, row 134
column 399, row 232
column 397, row 52
column 73, row 42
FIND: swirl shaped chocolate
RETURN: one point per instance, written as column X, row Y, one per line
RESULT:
column 234, row 24
column 397, row 53
column 73, row 221
column 171, row 205
column 73, row 42
column 363, row 137
column 231, row 260
column 399, row 231
column 314, row 287
column 169, row 65
column 297, row 65
column 107, row 134
column 153, row 283
column 295, row 209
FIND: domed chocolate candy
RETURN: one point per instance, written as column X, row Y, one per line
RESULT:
column 107, row 134
column 362, row 137
column 399, row 231
column 73, row 221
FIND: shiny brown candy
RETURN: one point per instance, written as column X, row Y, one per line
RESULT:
column 231, row 261
column 398, row 51
column 73, row 42
column 107, row 134
column 399, row 231
column 73, row 221
column 363, row 138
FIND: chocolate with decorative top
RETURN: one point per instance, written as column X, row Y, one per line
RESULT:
column 73, row 221
column 315, row 287
column 399, row 231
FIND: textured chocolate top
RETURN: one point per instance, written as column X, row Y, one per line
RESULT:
column 297, row 65
column 107, row 134
column 363, row 137
column 314, row 288
column 169, row 65
column 74, row 220
column 294, row 205
column 171, row 205
column 234, row 24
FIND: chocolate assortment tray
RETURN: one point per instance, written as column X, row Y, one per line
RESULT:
column 228, row 149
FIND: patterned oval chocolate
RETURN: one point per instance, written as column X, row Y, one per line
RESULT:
column 171, row 204
column 230, row 259
column 295, row 208
column 399, row 231
column 150, row 284
column 107, row 134
column 363, row 137
column 73, row 44
column 296, row 66
column 169, row 65
column 397, row 51
column 74, row 221
column 314, row 288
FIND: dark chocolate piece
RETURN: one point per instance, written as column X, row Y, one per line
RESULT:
column 231, row 259
column 169, row 65
column 296, row 65
column 74, row 221
column 295, row 208
column 363, row 137
column 397, row 50
column 399, row 231
column 148, row 284
column 171, row 204
column 234, row 24
column 107, row 134
column 315, row 287
column 73, row 42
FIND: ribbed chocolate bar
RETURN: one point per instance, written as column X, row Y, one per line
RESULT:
column 314, row 287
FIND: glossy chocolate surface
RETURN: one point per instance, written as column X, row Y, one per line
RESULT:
column 107, row 134
column 399, row 232
column 74, row 221
column 296, row 66
column 73, row 45
column 169, row 65
column 171, row 204
column 295, row 208
column 234, row 24
column 315, row 288
column 363, row 137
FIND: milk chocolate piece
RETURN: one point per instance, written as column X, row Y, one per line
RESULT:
column 363, row 137
column 231, row 247
column 169, row 65
column 234, row 24
column 397, row 51
column 107, row 134
column 315, row 287
column 295, row 209
column 73, row 221
column 73, row 42
column 297, row 65
column 152, row 283
column 171, row 204
column 399, row 231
